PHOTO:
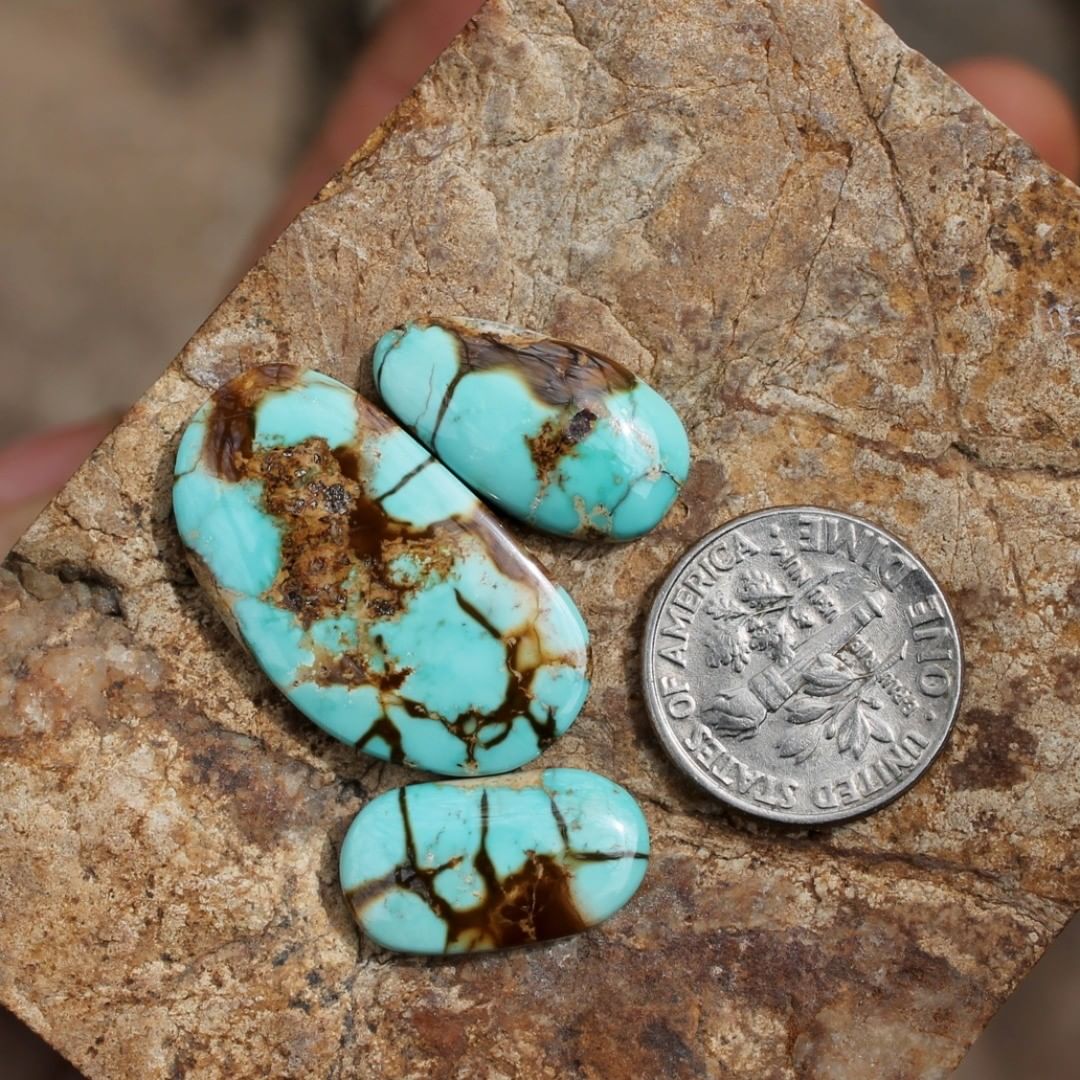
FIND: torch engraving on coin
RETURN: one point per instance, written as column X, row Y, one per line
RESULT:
column 803, row 665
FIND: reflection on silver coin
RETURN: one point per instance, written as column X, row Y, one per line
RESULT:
column 802, row 665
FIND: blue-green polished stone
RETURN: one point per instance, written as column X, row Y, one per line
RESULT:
column 486, row 864
column 563, row 439
column 373, row 587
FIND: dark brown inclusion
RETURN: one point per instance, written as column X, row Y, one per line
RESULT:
column 557, row 372
column 230, row 427
column 305, row 490
column 517, row 700
column 533, row 904
column 556, row 439
column 574, row 380
column 330, row 528
column 331, row 525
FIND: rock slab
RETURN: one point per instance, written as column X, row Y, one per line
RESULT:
column 858, row 290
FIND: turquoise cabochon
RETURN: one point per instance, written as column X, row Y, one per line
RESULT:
column 485, row 864
column 559, row 437
column 370, row 584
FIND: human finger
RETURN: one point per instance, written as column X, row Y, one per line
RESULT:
column 1027, row 101
column 410, row 39
column 34, row 469
column 1024, row 99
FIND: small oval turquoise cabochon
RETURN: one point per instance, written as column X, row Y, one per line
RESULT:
column 561, row 438
column 373, row 587
column 480, row 865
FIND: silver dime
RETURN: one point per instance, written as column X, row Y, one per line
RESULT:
column 802, row 665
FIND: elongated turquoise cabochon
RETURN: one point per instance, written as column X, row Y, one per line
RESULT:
column 372, row 586
column 486, row 864
column 564, row 439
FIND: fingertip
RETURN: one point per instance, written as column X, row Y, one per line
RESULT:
column 34, row 469
column 1029, row 102
column 410, row 38
column 39, row 465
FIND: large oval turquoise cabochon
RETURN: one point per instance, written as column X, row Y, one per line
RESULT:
column 373, row 587
column 562, row 438
column 487, row 864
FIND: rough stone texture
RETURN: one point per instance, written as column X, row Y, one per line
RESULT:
column 858, row 290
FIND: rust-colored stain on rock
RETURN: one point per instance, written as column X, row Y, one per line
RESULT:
column 1000, row 754
column 858, row 290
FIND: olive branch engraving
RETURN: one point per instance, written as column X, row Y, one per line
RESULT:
column 836, row 702
column 827, row 699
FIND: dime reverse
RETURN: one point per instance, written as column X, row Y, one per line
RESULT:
column 802, row 665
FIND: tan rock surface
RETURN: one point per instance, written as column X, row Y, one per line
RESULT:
column 860, row 291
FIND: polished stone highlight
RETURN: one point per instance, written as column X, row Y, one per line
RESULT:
column 488, row 864
column 562, row 438
column 373, row 587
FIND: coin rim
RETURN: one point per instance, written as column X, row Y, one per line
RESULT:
column 675, row 749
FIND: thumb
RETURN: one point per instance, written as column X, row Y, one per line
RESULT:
column 34, row 469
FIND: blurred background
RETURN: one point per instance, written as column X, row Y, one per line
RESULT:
column 153, row 147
